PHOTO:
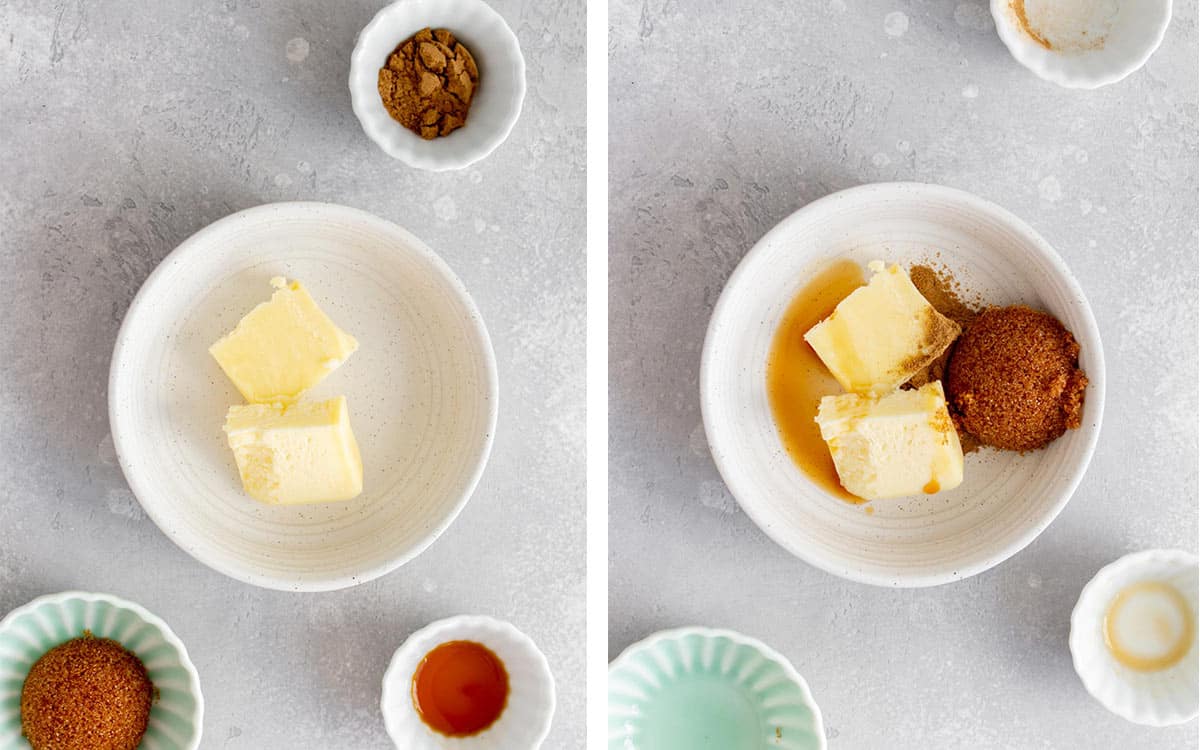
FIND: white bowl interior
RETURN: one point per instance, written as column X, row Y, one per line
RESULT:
column 495, row 106
column 1168, row 696
column 1129, row 32
column 421, row 391
column 1005, row 499
column 527, row 714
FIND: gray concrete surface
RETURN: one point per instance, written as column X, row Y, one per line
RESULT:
column 125, row 127
column 727, row 116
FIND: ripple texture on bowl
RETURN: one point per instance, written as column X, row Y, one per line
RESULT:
column 1160, row 698
column 1005, row 500
column 176, row 717
column 525, row 721
column 700, row 689
column 421, row 389
column 495, row 106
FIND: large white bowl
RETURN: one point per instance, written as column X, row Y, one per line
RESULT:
column 422, row 393
column 1006, row 499
column 1120, row 37
column 527, row 714
column 1160, row 698
column 495, row 106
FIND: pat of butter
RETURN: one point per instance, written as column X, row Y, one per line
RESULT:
column 895, row 445
column 882, row 334
column 282, row 347
column 303, row 453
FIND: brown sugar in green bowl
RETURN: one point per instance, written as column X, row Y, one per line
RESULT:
column 86, row 693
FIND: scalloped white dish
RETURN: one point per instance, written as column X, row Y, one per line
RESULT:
column 422, row 392
column 1006, row 499
column 1082, row 44
column 1156, row 698
column 177, row 714
column 525, row 721
column 705, row 689
column 495, row 106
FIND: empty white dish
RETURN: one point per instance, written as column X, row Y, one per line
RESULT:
column 1082, row 44
column 1005, row 500
column 422, row 394
column 525, row 721
column 1157, row 698
column 495, row 106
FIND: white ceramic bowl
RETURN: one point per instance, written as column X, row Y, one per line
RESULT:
column 1169, row 696
column 1005, row 500
column 1094, row 42
column 422, row 393
column 497, row 101
column 177, row 714
column 525, row 721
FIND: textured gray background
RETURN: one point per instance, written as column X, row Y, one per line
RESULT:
column 727, row 116
column 125, row 127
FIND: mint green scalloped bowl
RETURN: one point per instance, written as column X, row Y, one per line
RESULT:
column 703, row 689
column 177, row 715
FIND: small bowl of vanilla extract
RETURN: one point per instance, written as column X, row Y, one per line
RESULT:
column 474, row 679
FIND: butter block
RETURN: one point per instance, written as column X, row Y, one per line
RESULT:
column 282, row 347
column 895, row 445
column 882, row 334
column 303, row 453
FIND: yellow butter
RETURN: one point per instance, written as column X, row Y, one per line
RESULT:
column 303, row 453
column 895, row 445
column 282, row 347
column 882, row 334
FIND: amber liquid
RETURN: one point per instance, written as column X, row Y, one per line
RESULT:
column 460, row 688
column 797, row 379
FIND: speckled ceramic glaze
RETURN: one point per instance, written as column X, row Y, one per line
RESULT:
column 702, row 689
column 1005, row 499
column 1158, row 698
column 525, row 721
column 421, row 390
column 177, row 715
column 1096, row 42
column 495, row 106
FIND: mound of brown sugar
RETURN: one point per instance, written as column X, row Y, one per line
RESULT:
column 428, row 83
column 86, row 693
column 1013, row 380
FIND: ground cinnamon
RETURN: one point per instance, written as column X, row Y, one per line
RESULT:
column 428, row 82
column 86, row 693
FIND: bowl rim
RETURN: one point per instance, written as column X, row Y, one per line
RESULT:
column 392, row 677
column 416, row 157
column 146, row 616
column 1094, row 588
column 480, row 339
column 1089, row 335
column 1027, row 52
column 674, row 634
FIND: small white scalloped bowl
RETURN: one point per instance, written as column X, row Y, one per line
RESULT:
column 497, row 101
column 1129, row 37
column 1161, row 698
column 177, row 714
column 525, row 721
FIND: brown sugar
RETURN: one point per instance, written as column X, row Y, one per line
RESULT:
column 428, row 82
column 86, row 693
column 1014, row 381
column 938, row 289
